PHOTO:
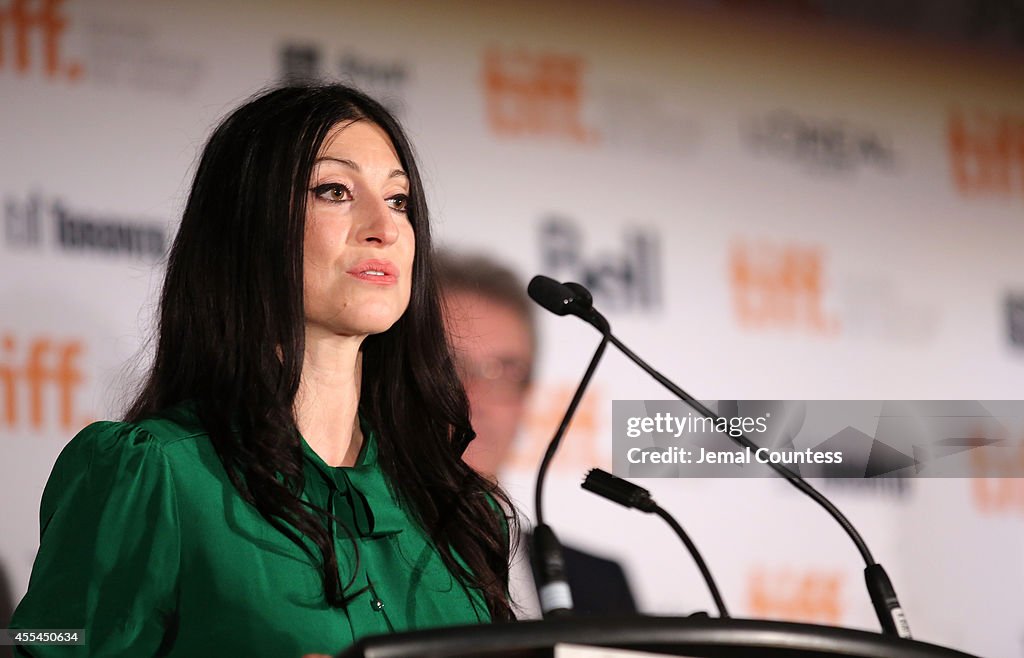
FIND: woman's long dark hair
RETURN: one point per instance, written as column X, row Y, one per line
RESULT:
column 231, row 339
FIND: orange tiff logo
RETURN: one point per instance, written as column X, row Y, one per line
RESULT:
column 986, row 153
column 535, row 95
column 30, row 28
column 779, row 287
column 31, row 373
column 796, row 595
column 579, row 449
column 998, row 483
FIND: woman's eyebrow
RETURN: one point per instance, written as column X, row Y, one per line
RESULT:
column 395, row 173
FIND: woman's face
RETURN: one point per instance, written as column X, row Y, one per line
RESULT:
column 359, row 243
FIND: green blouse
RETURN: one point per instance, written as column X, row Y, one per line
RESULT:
column 148, row 547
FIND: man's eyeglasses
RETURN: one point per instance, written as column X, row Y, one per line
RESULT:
column 504, row 379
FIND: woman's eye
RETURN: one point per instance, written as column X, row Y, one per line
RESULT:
column 399, row 202
column 333, row 192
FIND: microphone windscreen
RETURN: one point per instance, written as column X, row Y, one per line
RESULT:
column 583, row 300
column 550, row 294
column 617, row 490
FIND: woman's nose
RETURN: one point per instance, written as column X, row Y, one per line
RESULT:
column 376, row 223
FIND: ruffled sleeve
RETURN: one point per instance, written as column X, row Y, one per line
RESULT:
column 110, row 547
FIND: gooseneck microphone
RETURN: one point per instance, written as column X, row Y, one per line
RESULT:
column 627, row 494
column 574, row 299
column 567, row 299
column 549, row 562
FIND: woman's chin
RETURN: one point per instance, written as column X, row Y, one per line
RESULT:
column 368, row 322
column 367, row 326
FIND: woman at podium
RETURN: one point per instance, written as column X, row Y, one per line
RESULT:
column 288, row 479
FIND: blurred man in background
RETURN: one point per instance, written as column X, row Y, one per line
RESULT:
column 494, row 339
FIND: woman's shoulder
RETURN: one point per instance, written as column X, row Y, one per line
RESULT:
column 159, row 451
column 174, row 424
column 167, row 435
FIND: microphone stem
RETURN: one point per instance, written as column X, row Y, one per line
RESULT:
column 566, row 419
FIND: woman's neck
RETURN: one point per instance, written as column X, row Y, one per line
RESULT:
column 327, row 403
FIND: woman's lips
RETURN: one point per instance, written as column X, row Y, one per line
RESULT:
column 380, row 272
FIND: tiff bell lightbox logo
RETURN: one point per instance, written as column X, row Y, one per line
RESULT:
column 832, row 145
column 31, row 36
column 780, row 286
column 627, row 277
column 25, row 221
column 797, row 594
column 535, row 94
column 986, row 151
column 39, row 380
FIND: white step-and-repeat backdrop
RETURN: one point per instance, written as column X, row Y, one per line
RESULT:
column 763, row 210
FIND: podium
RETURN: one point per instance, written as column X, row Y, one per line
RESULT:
column 671, row 636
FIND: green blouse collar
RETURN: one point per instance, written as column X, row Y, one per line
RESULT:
column 359, row 495
column 367, row 505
